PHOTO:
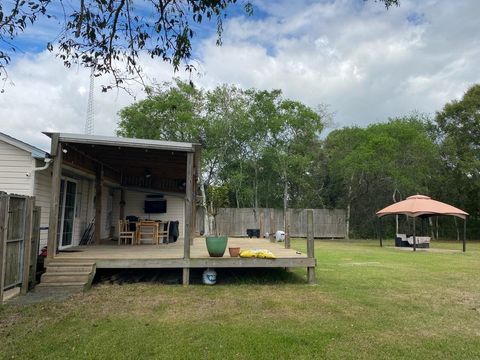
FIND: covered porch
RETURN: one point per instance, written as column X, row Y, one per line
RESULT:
column 99, row 180
column 121, row 175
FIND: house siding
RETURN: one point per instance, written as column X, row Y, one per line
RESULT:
column 43, row 193
column 15, row 170
column 134, row 205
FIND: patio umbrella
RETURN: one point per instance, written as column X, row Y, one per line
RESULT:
column 421, row 205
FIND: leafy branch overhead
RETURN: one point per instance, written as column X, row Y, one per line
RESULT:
column 110, row 35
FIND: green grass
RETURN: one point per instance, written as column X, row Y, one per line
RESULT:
column 369, row 303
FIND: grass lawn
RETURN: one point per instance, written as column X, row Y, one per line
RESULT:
column 369, row 303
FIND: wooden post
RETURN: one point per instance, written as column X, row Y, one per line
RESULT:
column 287, row 237
column 27, row 243
column 3, row 240
column 195, row 176
column 262, row 222
column 187, row 238
column 98, row 204
column 414, row 236
column 464, row 245
column 35, row 243
column 271, row 234
column 310, row 246
column 186, row 276
column 188, row 204
column 55, row 197
column 122, row 204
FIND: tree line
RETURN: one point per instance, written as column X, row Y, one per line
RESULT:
column 260, row 149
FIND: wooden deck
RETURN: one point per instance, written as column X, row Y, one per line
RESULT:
column 171, row 255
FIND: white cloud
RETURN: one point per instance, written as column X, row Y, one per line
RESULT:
column 43, row 95
column 366, row 63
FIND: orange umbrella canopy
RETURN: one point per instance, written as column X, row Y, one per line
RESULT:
column 418, row 205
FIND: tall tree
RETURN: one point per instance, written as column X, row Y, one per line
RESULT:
column 458, row 126
column 372, row 164
column 262, row 147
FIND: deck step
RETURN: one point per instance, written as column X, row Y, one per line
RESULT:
column 66, row 276
column 69, row 269
column 69, row 263
column 60, row 288
column 58, row 277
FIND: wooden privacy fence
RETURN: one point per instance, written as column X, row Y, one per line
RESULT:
column 19, row 241
column 234, row 221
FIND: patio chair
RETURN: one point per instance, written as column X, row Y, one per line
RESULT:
column 147, row 230
column 163, row 232
column 124, row 234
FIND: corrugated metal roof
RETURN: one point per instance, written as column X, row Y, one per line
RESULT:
column 124, row 142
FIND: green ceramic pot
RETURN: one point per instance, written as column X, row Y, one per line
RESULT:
column 216, row 245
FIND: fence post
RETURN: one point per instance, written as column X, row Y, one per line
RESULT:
column 35, row 244
column 272, row 225
column 27, row 243
column 262, row 223
column 310, row 246
column 3, row 235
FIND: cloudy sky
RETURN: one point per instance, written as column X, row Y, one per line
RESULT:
column 365, row 63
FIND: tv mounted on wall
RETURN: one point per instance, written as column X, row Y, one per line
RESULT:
column 155, row 204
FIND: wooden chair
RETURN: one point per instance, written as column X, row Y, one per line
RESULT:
column 147, row 231
column 163, row 233
column 124, row 235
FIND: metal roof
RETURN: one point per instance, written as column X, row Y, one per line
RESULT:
column 124, row 142
column 34, row 151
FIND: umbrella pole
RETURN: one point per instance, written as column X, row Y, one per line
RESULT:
column 464, row 234
column 414, row 237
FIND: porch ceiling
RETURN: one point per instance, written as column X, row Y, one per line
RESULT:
column 137, row 161
column 161, row 170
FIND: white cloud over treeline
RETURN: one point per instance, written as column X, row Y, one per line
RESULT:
column 365, row 63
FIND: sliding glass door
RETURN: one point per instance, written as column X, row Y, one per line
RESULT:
column 66, row 215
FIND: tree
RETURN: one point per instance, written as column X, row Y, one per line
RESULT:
column 459, row 125
column 109, row 36
column 458, row 135
column 367, row 167
column 261, row 147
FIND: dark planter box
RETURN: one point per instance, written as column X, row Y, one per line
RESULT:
column 253, row 232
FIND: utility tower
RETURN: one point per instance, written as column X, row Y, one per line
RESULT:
column 90, row 121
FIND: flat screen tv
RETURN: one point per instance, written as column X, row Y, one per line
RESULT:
column 155, row 206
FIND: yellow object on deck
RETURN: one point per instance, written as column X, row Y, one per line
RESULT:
column 257, row 253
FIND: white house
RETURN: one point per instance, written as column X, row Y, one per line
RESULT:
column 24, row 170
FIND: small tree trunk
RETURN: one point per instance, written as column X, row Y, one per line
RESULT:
column 347, row 222
column 256, row 187
column 206, row 222
column 349, row 205
column 285, row 204
column 456, row 228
